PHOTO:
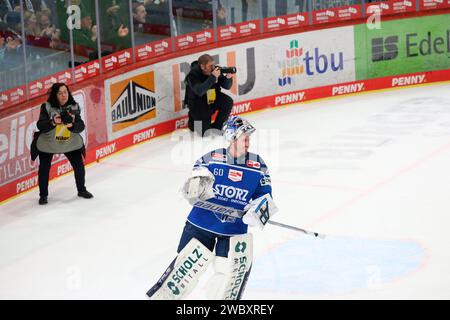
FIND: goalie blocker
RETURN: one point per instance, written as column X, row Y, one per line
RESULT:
column 230, row 273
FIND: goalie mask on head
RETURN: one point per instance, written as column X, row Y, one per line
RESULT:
column 235, row 127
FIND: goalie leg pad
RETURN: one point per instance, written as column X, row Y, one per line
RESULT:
column 231, row 273
column 183, row 273
column 219, row 281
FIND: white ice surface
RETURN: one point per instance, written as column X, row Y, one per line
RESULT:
column 370, row 171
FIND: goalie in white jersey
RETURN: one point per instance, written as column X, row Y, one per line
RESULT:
column 223, row 181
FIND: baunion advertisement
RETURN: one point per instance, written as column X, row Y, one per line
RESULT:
column 130, row 102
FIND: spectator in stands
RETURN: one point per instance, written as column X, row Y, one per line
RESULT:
column 115, row 23
column 12, row 53
column 13, row 50
column 8, row 6
column 221, row 15
column 139, row 15
column 158, row 16
column 83, row 44
column 5, row 7
column 31, row 24
column 60, row 125
column 55, row 41
column 45, row 23
column 83, row 36
column 13, row 21
column 35, row 5
column 94, row 34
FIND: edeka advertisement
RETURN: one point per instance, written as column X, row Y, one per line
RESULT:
column 403, row 46
column 130, row 102
column 267, row 67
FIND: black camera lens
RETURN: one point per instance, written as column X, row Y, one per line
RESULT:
column 66, row 118
column 227, row 70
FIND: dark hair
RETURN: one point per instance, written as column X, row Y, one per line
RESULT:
column 3, row 27
column 12, row 18
column 205, row 58
column 53, row 95
column 136, row 5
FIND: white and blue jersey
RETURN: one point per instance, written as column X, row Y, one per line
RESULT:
column 237, row 181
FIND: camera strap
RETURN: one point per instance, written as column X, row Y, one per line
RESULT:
column 62, row 133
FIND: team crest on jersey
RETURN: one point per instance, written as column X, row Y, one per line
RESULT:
column 219, row 156
column 253, row 164
column 235, row 175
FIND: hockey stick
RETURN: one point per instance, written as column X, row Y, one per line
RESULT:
column 161, row 280
column 279, row 224
column 228, row 211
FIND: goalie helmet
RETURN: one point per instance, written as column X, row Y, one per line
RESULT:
column 235, row 127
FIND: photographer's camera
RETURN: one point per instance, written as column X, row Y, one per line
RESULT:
column 66, row 118
column 225, row 70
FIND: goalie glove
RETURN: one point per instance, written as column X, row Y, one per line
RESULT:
column 259, row 211
column 199, row 186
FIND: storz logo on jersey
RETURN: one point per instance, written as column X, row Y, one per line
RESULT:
column 235, row 175
column 253, row 164
column 231, row 192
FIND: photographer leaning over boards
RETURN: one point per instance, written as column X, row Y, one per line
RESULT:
column 204, row 97
column 59, row 127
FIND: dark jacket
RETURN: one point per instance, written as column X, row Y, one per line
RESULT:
column 197, row 84
column 46, row 130
column 45, row 122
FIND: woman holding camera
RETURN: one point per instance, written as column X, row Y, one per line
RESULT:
column 60, row 125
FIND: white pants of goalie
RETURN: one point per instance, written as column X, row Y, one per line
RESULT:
column 229, row 278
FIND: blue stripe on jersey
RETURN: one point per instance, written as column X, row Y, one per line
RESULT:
column 237, row 181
